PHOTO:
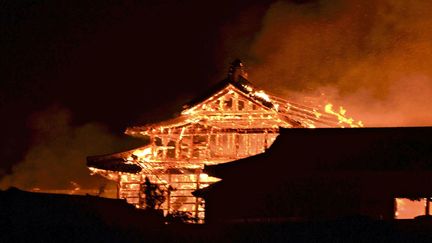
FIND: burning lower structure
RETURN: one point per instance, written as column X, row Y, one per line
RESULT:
column 233, row 121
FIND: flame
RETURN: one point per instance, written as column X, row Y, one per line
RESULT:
column 408, row 209
column 341, row 116
column 316, row 113
column 203, row 176
column 261, row 94
column 310, row 125
column 143, row 154
column 76, row 187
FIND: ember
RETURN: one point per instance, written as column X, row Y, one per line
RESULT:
column 235, row 122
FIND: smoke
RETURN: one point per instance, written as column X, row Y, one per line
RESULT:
column 372, row 57
column 57, row 157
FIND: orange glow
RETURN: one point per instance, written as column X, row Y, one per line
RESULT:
column 76, row 187
column 143, row 154
column 409, row 209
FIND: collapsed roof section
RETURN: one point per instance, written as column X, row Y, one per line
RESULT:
column 229, row 101
column 114, row 162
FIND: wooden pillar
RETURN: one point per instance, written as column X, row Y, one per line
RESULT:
column 198, row 173
column 208, row 146
column 235, row 102
column 191, row 147
column 177, row 148
column 141, row 200
column 169, row 194
column 118, row 184
column 248, row 143
column 237, row 144
column 164, row 141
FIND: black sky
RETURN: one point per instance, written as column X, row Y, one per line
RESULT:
column 110, row 61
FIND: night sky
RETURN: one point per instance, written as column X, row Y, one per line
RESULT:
column 108, row 61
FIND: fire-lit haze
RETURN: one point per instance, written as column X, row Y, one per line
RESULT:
column 56, row 161
column 408, row 209
column 372, row 57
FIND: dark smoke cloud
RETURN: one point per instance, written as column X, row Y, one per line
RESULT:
column 372, row 57
column 56, row 160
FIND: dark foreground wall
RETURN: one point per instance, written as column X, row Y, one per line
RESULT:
column 69, row 217
column 324, row 174
column 35, row 217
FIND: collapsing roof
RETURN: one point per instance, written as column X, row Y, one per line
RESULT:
column 290, row 113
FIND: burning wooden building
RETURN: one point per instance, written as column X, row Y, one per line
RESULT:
column 233, row 121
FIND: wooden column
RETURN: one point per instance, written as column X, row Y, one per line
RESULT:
column 198, row 173
column 169, row 194
column 118, row 185
column 236, row 144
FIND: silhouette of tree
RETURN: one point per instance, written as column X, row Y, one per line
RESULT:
column 102, row 188
column 181, row 217
column 155, row 195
